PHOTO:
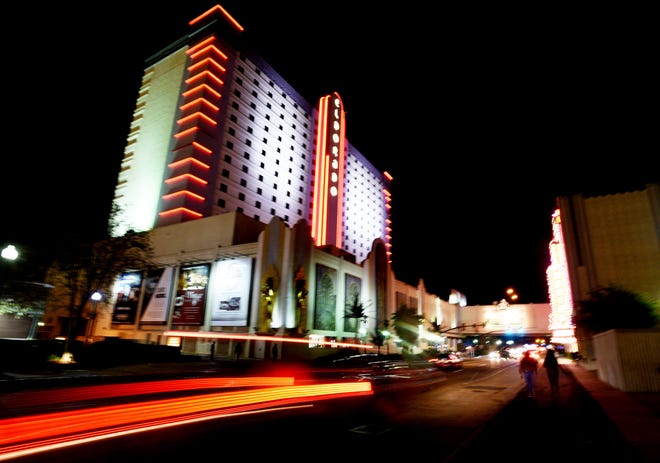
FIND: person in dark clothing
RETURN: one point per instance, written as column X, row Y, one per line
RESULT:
column 212, row 350
column 552, row 369
column 238, row 350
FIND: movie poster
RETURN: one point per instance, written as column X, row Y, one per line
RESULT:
column 127, row 289
column 190, row 300
column 232, row 282
column 157, row 290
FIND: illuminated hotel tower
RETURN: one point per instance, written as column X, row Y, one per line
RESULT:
column 561, row 301
column 216, row 129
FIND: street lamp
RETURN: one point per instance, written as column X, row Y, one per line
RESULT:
column 96, row 297
column 512, row 294
column 9, row 253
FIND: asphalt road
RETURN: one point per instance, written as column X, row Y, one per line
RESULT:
column 476, row 412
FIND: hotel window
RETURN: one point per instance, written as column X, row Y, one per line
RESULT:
column 286, row 218
column 257, row 204
column 274, row 199
column 250, row 117
column 231, row 131
column 256, row 217
column 227, row 159
column 272, row 212
column 243, row 182
column 239, row 209
column 254, row 93
column 225, row 173
column 221, row 202
column 253, row 106
column 239, row 81
column 249, row 129
column 237, row 93
column 234, row 105
column 261, row 178
column 246, row 155
column 262, row 165
column 245, row 169
column 241, row 196
column 233, row 118
column 230, row 145
column 223, row 188
column 259, row 191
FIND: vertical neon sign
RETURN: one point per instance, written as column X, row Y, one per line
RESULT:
column 327, row 218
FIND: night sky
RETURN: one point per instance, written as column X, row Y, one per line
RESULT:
column 482, row 114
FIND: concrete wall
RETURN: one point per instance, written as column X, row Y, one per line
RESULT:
column 629, row 360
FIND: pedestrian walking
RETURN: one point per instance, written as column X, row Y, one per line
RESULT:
column 212, row 351
column 528, row 368
column 238, row 350
column 551, row 366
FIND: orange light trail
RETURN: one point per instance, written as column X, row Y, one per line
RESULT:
column 28, row 433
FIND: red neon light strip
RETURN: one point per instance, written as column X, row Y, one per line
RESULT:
column 179, row 210
column 213, row 48
column 213, row 10
column 200, row 45
column 183, row 192
column 203, row 74
column 198, row 114
column 202, row 101
column 186, row 132
column 202, row 88
column 201, row 63
column 188, row 161
column 183, row 177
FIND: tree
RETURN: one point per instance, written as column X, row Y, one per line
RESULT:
column 406, row 323
column 85, row 267
column 613, row 307
column 355, row 310
column 378, row 338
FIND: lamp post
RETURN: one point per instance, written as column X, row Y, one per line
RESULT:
column 96, row 297
column 9, row 253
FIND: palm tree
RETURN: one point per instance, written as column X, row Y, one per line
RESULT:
column 355, row 310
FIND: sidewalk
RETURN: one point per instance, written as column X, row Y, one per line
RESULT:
column 636, row 415
column 588, row 421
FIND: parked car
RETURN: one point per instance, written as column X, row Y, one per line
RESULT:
column 447, row 361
